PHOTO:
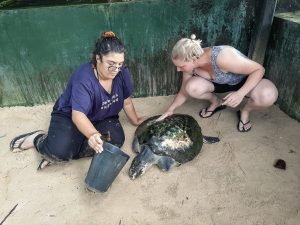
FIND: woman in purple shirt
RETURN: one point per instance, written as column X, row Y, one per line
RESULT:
column 88, row 109
column 220, row 69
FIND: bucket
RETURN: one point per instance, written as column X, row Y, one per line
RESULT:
column 105, row 167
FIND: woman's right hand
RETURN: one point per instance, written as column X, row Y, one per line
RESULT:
column 163, row 116
column 95, row 142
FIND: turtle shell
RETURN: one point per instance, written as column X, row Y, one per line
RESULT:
column 178, row 136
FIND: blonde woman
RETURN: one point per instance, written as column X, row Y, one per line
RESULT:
column 220, row 69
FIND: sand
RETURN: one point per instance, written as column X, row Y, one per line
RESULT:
column 229, row 183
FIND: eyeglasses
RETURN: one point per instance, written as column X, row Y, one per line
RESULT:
column 113, row 68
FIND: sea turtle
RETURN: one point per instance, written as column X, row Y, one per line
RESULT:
column 175, row 140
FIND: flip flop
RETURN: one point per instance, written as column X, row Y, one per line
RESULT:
column 243, row 124
column 25, row 136
column 219, row 108
column 43, row 164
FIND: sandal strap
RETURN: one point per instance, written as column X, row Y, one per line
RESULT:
column 244, row 123
column 243, row 129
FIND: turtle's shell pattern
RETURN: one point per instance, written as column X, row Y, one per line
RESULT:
column 178, row 136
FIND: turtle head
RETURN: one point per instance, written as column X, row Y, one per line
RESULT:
column 141, row 162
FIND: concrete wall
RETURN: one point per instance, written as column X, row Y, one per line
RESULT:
column 287, row 6
column 40, row 47
column 282, row 61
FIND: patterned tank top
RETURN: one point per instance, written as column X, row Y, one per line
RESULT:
column 221, row 77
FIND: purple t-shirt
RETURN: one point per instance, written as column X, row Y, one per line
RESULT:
column 84, row 93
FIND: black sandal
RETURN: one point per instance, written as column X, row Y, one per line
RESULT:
column 243, row 124
column 219, row 108
column 25, row 136
column 43, row 164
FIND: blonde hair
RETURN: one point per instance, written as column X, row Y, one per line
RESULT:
column 187, row 48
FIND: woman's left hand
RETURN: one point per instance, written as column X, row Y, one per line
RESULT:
column 233, row 99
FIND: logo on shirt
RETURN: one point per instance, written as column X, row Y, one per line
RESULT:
column 106, row 104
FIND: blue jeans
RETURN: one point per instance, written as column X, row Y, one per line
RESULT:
column 64, row 141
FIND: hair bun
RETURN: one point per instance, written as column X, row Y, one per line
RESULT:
column 193, row 36
column 108, row 34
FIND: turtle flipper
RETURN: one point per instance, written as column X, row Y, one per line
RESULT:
column 210, row 140
column 165, row 163
column 136, row 145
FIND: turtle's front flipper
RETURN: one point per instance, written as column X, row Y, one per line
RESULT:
column 165, row 163
column 210, row 140
column 136, row 145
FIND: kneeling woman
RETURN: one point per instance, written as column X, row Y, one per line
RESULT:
column 88, row 109
column 220, row 69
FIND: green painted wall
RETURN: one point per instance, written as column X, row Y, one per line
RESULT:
column 287, row 6
column 14, row 4
column 282, row 61
column 40, row 47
